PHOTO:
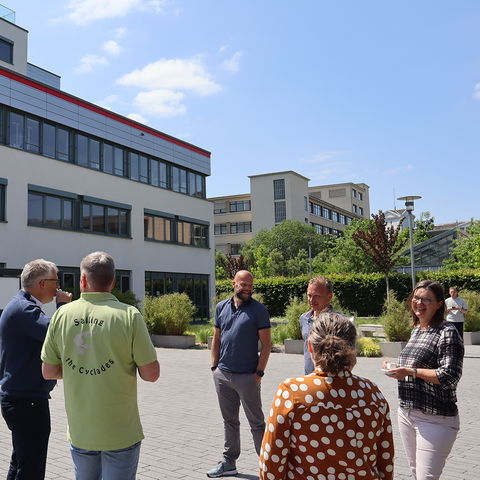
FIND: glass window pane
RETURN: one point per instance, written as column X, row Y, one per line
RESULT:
column 82, row 150
column 95, row 154
column 87, row 217
column 123, row 223
column 159, row 229
column 168, row 230
column 187, row 234
column 35, row 208
column 49, row 147
column 163, row 175
column 143, row 169
column 175, row 179
column 107, row 158
column 119, row 170
column 16, row 130
column 98, row 217
column 180, row 232
column 63, row 147
column 192, row 184
column 133, row 166
column 33, row 135
column 67, row 214
column 183, row 181
column 6, row 51
column 155, row 172
column 113, row 221
column 53, row 211
column 200, row 190
column 148, row 227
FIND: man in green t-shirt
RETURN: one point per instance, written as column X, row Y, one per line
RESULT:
column 97, row 345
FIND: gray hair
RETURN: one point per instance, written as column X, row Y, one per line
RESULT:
column 322, row 281
column 35, row 271
column 99, row 269
column 333, row 339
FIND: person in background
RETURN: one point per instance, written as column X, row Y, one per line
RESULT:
column 240, row 322
column 24, row 393
column 332, row 423
column 97, row 345
column 428, row 371
column 456, row 309
column 319, row 293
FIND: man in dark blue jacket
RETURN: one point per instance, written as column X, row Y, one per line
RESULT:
column 24, row 393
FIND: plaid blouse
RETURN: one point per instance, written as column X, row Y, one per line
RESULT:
column 439, row 348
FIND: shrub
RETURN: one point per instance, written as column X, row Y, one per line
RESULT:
column 201, row 332
column 472, row 318
column 295, row 309
column 280, row 333
column 396, row 320
column 128, row 297
column 366, row 347
column 168, row 314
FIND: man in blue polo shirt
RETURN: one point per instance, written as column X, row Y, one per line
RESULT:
column 240, row 322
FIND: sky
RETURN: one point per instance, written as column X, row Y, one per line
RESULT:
column 380, row 92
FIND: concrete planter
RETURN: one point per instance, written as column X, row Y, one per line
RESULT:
column 293, row 346
column 471, row 338
column 392, row 349
column 173, row 341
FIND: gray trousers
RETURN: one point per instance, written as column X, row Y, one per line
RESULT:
column 233, row 389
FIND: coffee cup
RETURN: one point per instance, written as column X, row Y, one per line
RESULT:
column 391, row 365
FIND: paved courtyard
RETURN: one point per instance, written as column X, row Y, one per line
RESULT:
column 184, row 431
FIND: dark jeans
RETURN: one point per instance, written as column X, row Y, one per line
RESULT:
column 28, row 418
column 459, row 327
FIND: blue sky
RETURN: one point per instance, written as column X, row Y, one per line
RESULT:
column 381, row 92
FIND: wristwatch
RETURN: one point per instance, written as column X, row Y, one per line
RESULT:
column 213, row 368
column 260, row 373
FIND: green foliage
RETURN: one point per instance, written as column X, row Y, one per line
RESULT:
column 168, row 314
column 201, row 332
column 220, row 272
column 396, row 320
column 472, row 318
column 423, row 225
column 128, row 297
column 366, row 347
column 262, row 262
column 280, row 333
column 296, row 308
column 466, row 253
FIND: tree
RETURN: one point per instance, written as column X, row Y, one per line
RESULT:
column 422, row 226
column 466, row 253
column 381, row 243
column 233, row 265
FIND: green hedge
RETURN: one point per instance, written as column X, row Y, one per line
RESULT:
column 363, row 294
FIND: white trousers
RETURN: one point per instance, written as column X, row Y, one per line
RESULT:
column 428, row 440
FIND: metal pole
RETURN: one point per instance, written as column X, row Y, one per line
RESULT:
column 412, row 260
column 310, row 255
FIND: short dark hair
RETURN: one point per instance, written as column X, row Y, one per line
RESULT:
column 333, row 338
column 99, row 268
column 439, row 295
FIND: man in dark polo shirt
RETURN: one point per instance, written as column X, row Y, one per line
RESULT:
column 240, row 322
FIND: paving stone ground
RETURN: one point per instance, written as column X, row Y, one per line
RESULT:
column 184, row 431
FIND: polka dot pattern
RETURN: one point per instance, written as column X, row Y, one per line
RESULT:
column 327, row 426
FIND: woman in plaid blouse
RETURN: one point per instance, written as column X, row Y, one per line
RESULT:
column 429, row 369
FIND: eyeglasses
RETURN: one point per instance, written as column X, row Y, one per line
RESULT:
column 425, row 301
column 56, row 280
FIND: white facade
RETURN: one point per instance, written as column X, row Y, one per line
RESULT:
column 103, row 183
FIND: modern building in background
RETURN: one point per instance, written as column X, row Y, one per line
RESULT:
column 76, row 178
column 278, row 196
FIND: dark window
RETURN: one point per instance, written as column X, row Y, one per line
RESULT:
column 32, row 137
column 220, row 229
column 236, row 248
column 3, row 188
column 280, row 212
column 6, row 51
column 279, row 189
column 16, row 130
column 241, row 227
column 241, row 206
column 161, row 229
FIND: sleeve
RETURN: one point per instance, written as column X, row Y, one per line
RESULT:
column 50, row 351
column 142, row 347
column 385, row 445
column 37, row 322
column 263, row 318
column 450, row 358
column 276, row 439
column 465, row 306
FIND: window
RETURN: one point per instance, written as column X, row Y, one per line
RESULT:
column 343, row 219
column 240, row 206
column 327, row 230
column 354, row 193
column 220, row 229
column 280, row 212
column 335, row 216
column 361, row 211
column 6, row 50
column 339, row 192
column 279, row 189
column 318, row 228
column 56, row 209
column 327, row 213
column 236, row 248
column 16, row 130
column 349, row 220
column 305, row 203
column 354, row 208
column 3, row 188
column 88, row 152
column 316, row 209
column 360, row 196
column 165, row 227
column 220, row 207
column 241, row 227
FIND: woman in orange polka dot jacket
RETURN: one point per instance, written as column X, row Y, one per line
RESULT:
column 331, row 423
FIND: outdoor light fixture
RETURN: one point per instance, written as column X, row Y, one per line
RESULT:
column 409, row 203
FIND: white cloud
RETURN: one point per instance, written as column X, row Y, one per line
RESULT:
column 476, row 95
column 137, row 118
column 112, row 99
column 233, row 65
column 113, row 48
column 321, row 157
column 397, row 170
column 161, row 103
column 119, row 32
column 222, row 48
column 84, row 11
column 89, row 61
column 176, row 74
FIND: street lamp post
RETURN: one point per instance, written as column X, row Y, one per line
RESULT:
column 409, row 203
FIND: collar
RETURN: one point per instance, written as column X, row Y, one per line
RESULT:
column 29, row 296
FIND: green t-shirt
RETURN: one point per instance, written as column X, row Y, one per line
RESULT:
column 99, row 342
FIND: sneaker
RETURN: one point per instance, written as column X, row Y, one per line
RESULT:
column 222, row 469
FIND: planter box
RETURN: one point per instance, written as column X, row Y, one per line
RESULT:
column 293, row 346
column 392, row 349
column 173, row 341
column 471, row 338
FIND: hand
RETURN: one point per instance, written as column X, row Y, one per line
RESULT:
column 257, row 378
column 63, row 297
column 399, row 373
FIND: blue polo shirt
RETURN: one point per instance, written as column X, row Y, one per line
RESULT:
column 239, row 334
